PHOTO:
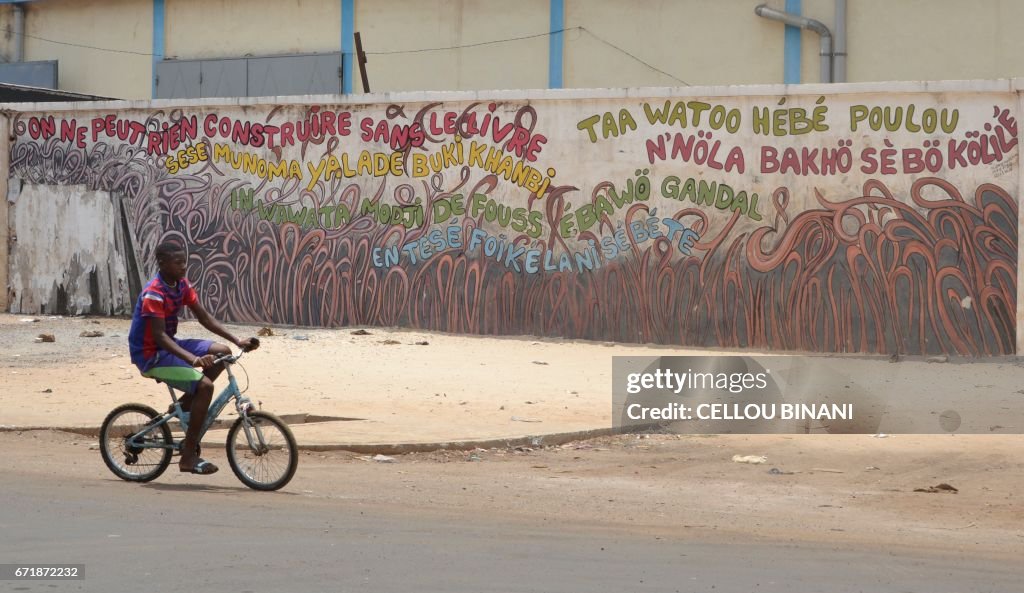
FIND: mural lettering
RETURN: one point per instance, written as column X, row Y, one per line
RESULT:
column 820, row 223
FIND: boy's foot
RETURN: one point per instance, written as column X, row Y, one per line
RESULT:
column 202, row 467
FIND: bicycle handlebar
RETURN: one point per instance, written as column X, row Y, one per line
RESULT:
column 233, row 358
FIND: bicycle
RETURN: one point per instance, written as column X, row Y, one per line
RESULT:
column 137, row 445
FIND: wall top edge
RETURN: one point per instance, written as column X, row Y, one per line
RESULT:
column 1005, row 85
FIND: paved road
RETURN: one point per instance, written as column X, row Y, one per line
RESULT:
column 164, row 537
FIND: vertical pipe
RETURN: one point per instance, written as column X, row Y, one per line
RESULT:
column 765, row 11
column 839, row 51
column 158, row 38
column 825, row 51
column 792, row 50
column 348, row 29
column 556, row 44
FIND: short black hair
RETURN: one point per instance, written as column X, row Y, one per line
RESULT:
column 167, row 249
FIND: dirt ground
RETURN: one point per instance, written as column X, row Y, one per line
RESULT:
column 398, row 387
column 845, row 491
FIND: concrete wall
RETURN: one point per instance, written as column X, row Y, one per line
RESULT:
column 764, row 217
column 69, row 257
column 404, row 25
column 4, row 224
column 929, row 40
column 608, row 43
column 234, row 28
column 57, row 30
column 701, row 42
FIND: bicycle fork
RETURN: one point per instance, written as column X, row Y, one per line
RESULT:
column 259, row 446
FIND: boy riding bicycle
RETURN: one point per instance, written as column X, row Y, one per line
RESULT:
column 159, row 355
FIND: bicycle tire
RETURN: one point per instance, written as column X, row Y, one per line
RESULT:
column 264, row 420
column 163, row 434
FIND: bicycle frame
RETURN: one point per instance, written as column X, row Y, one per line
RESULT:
column 231, row 392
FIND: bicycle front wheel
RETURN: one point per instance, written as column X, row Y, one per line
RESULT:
column 136, row 460
column 262, row 451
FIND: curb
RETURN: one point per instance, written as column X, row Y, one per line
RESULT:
column 468, row 445
column 540, row 440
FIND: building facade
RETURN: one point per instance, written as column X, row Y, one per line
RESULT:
column 141, row 49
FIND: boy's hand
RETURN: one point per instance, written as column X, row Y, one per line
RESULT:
column 249, row 344
column 204, row 361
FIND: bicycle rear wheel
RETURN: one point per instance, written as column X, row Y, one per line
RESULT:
column 134, row 463
column 265, row 456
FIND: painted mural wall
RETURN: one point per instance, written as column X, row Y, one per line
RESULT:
column 857, row 222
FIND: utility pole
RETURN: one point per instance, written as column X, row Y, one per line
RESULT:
column 361, row 58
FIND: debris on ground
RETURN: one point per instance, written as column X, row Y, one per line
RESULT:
column 264, row 332
column 941, row 358
column 383, row 459
column 47, row 390
column 518, row 419
column 423, row 343
column 778, row 472
column 390, row 342
column 301, row 337
column 94, row 333
column 542, row 363
column 754, row 459
column 30, row 320
column 46, row 338
column 938, row 489
column 361, row 332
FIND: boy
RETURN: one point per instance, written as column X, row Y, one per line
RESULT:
column 159, row 355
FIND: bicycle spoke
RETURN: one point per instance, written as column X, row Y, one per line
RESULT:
column 139, row 457
column 272, row 463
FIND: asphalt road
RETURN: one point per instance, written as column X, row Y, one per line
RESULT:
column 164, row 537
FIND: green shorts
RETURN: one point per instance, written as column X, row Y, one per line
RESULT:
column 168, row 368
column 182, row 378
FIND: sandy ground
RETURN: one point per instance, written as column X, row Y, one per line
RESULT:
column 393, row 385
column 844, row 490
column 394, row 390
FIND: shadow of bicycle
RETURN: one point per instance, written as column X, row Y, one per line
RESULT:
column 208, row 489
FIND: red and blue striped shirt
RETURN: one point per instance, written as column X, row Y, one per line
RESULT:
column 157, row 299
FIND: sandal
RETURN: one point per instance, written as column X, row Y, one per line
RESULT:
column 203, row 467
